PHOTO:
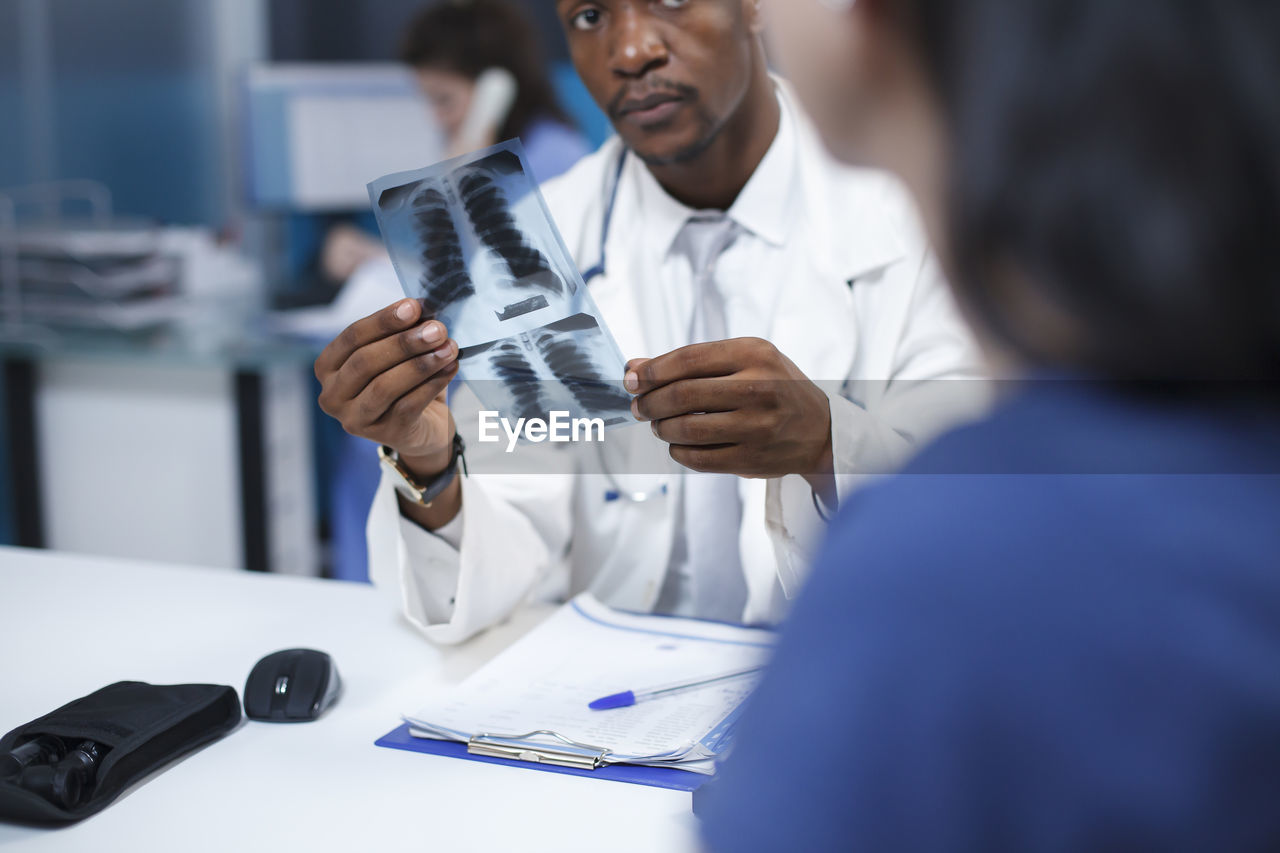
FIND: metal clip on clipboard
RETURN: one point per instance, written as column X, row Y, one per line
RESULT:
column 518, row 748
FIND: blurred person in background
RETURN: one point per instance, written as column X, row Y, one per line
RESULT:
column 449, row 46
column 1060, row 629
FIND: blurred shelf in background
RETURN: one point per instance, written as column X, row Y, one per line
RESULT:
column 148, row 415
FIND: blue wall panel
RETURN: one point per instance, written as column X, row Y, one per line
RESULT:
column 152, row 138
column 12, row 165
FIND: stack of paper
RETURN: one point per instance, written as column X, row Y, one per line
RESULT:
column 537, row 691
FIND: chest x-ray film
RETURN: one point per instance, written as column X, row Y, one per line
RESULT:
column 472, row 239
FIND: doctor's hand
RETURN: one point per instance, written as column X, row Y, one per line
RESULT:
column 384, row 378
column 736, row 407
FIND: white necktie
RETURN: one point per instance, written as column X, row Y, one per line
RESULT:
column 705, row 577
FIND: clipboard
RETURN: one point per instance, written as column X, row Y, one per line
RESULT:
column 671, row 778
column 551, row 673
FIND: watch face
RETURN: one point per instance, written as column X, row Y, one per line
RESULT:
column 407, row 489
column 411, row 495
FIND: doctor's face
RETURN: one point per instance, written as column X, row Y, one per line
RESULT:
column 668, row 73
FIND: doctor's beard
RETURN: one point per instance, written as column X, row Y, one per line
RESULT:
column 709, row 128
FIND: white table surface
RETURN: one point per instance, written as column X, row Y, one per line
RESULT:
column 69, row 625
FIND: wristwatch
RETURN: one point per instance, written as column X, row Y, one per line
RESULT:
column 422, row 494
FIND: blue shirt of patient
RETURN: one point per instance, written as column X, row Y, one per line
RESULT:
column 1060, row 630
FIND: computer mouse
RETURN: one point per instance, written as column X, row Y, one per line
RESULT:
column 291, row 686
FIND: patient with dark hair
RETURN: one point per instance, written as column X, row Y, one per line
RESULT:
column 1060, row 628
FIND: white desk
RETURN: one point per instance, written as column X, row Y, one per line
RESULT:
column 70, row 625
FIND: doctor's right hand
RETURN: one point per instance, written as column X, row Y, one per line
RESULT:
column 384, row 378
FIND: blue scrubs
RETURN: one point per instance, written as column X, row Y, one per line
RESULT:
column 1060, row 630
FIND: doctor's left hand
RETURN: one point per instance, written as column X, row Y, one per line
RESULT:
column 735, row 407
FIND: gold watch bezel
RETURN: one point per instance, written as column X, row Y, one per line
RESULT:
column 407, row 486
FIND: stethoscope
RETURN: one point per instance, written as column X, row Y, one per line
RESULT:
column 617, row 491
column 599, row 269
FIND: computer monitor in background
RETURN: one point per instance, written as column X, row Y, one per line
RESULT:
column 318, row 133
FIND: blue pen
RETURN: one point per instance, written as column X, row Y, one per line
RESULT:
column 630, row 697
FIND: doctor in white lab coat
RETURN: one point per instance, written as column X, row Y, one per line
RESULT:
column 819, row 272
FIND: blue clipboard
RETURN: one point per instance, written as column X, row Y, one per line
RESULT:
column 655, row 777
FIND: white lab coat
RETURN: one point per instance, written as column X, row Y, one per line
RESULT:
column 876, row 317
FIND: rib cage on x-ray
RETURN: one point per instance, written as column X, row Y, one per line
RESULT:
column 488, row 210
column 520, row 379
column 575, row 368
column 538, row 369
column 445, row 278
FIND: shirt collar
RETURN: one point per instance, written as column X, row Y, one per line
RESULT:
column 763, row 207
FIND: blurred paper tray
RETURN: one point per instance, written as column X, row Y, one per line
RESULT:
column 121, row 240
column 125, row 317
column 113, row 281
